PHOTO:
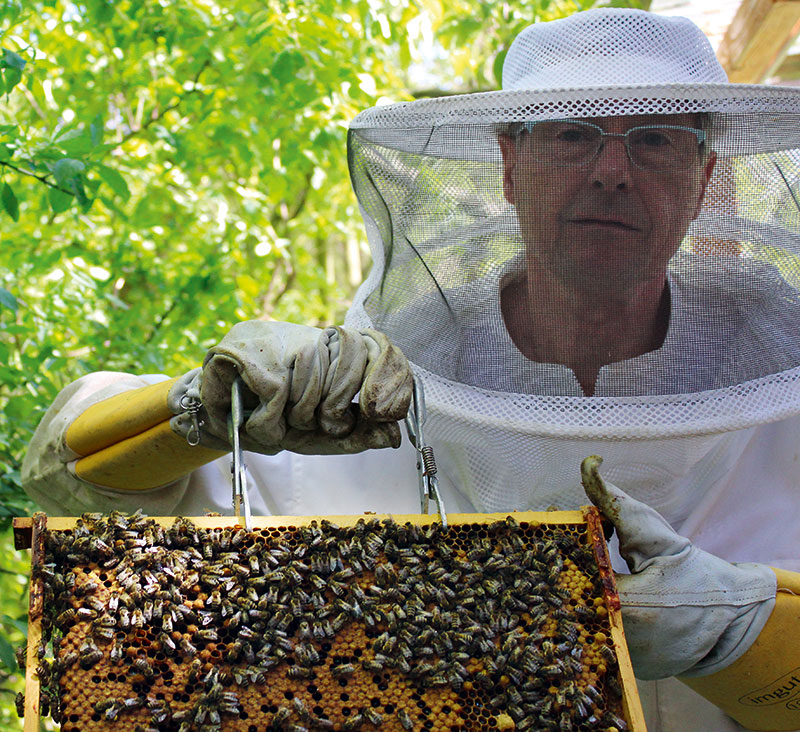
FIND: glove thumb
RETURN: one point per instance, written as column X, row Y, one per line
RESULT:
column 643, row 533
column 388, row 380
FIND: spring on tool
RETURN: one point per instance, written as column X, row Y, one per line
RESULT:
column 426, row 464
column 428, row 460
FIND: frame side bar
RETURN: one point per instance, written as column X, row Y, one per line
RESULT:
column 35, row 608
column 631, row 703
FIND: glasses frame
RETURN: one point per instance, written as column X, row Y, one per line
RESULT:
column 624, row 136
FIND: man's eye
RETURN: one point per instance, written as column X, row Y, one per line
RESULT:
column 652, row 138
column 572, row 135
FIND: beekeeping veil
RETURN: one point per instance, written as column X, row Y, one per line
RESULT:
column 451, row 255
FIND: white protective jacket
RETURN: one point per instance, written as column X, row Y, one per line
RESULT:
column 747, row 512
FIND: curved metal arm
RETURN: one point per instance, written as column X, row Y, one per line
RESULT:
column 426, row 463
column 238, row 468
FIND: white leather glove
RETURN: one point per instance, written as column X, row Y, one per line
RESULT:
column 684, row 610
column 300, row 383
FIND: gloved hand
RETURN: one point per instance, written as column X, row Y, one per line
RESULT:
column 683, row 609
column 300, row 383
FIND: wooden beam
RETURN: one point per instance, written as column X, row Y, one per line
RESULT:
column 758, row 38
column 24, row 526
column 789, row 69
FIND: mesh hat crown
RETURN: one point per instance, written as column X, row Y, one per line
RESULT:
column 610, row 47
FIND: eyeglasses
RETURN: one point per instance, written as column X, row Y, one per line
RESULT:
column 650, row 147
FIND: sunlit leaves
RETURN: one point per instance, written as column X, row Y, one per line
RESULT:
column 11, row 67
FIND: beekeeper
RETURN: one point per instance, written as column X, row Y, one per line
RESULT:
column 603, row 258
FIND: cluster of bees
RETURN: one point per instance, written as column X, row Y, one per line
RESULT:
column 320, row 627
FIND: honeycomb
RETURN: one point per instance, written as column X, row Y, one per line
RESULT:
column 377, row 625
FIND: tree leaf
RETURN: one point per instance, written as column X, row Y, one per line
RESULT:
column 11, row 77
column 80, row 194
column 7, row 300
column 7, row 655
column 10, row 10
column 10, row 203
column 20, row 625
column 77, row 142
column 59, row 201
column 497, row 67
column 114, row 181
column 66, row 169
column 287, row 64
column 12, row 60
column 96, row 130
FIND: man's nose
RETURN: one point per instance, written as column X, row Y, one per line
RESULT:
column 611, row 167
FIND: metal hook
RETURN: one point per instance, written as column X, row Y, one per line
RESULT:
column 191, row 405
column 238, row 468
column 426, row 462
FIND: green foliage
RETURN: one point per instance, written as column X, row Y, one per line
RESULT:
column 477, row 36
column 171, row 167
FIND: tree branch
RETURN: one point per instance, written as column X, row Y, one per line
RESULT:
column 291, row 275
column 281, row 215
column 161, row 318
column 155, row 118
column 433, row 92
column 40, row 178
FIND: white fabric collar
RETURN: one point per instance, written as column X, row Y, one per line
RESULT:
column 696, row 318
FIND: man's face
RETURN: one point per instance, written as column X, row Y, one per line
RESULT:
column 607, row 222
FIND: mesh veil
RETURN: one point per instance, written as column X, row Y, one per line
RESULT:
column 449, row 249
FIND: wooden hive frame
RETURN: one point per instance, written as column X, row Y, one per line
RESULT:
column 30, row 533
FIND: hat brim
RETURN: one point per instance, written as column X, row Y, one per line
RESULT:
column 745, row 118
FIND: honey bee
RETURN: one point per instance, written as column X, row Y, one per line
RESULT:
column 65, row 618
column 608, row 654
column 343, row 669
column 142, row 665
column 19, row 703
column 103, row 634
column 167, row 643
column 353, row 723
column 405, row 719
column 112, row 712
column 306, row 654
column 300, row 672
column 373, row 716
column 187, row 647
column 613, row 721
column 281, row 716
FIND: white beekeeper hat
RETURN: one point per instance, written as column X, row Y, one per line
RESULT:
column 602, row 62
column 612, row 47
column 428, row 175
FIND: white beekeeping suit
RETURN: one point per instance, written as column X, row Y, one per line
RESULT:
column 617, row 159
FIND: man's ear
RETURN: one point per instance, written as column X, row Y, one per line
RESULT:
column 508, row 148
column 708, row 169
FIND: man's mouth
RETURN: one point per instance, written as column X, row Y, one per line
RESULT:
column 615, row 224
